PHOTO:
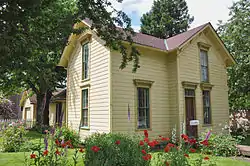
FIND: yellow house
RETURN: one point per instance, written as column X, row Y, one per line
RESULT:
column 57, row 108
column 182, row 82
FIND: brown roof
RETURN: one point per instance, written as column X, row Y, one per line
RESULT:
column 178, row 40
column 163, row 44
column 59, row 95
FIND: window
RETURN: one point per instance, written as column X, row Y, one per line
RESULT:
column 204, row 65
column 85, row 108
column 143, row 121
column 206, row 107
column 85, row 61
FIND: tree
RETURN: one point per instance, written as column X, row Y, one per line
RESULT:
column 166, row 18
column 6, row 110
column 235, row 34
column 35, row 33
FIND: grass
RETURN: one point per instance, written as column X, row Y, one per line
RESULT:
column 17, row 159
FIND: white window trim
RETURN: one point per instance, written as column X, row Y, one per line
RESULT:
column 81, row 125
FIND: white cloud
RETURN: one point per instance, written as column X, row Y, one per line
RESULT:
column 203, row 10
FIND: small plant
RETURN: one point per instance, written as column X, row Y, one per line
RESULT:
column 65, row 134
column 116, row 149
column 52, row 152
column 221, row 144
column 13, row 137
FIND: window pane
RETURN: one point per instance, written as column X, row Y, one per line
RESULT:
column 85, row 60
column 206, row 107
column 143, row 108
column 85, row 115
column 204, row 72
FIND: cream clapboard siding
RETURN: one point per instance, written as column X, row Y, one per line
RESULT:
column 98, row 88
column 29, row 114
column 153, row 68
column 189, row 68
column 52, row 113
column 172, row 89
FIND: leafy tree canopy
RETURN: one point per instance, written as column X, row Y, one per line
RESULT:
column 34, row 34
column 236, row 35
column 166, row 18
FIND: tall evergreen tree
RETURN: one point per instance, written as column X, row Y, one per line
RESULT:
column 235, row 33
column 166, row 18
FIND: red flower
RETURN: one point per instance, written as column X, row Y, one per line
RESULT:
column 57, row 152
column 64, row 145
column 206, row 158
column 186, row 155
column 151, row 144
column 146, row 133
column 32, row 156
column 45, row 153
column 167, row 149
column 147, row 157
column 143, row 151
column 166, row 139
column 141, row 143
column 81, row 150
column 205, row 143
column 146, row 140
column 170, row 145
column 167, row 164
column 95, row 148
column 192, row 141
column 184, row 137
column 118, row 142
column 192, row 150
column 57, row 142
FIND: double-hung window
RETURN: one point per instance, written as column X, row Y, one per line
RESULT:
column 206, row 107
column 85, row 61
column 143, row 120
column 204, row 65
column 85, row 108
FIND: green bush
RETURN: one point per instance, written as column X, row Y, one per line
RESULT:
column 221, row 145
column 13, row 138
column 66, row 134
column 114, row 149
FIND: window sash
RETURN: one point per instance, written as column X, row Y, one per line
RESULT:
column 85, row 61
column 85, row 108
column 206, row 107
column 204, row 65
column 143, row 120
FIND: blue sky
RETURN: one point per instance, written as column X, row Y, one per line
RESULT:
column 203, row 10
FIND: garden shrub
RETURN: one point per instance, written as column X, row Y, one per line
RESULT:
column 221, row 144
column 13, row 137
column 239, row 124
column 64, row 133
column 115, row 149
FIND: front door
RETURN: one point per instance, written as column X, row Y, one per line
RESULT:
column 59, row 113
column 190, row 112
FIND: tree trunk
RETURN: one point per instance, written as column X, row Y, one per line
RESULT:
column 39, row 108
column 46, row 108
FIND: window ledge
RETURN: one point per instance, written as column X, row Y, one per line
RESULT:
column 139, row 130
column 84, row 128
column 207, row 125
